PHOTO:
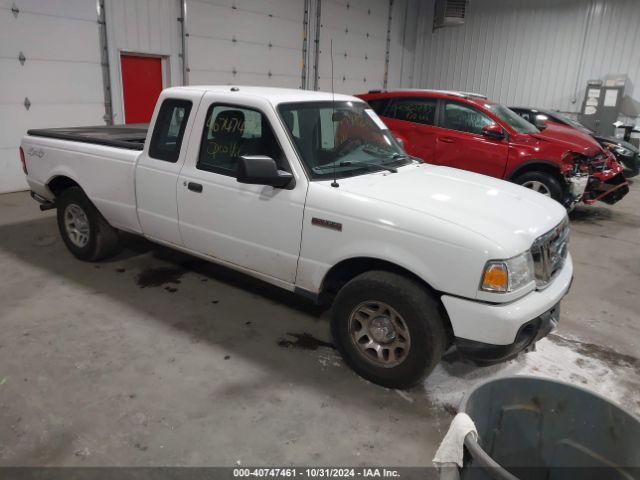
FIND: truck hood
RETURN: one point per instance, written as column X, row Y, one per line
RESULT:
column 509, row 216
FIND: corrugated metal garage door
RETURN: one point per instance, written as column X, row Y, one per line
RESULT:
column 359, row 32
column 61, row 75
column 245, row 42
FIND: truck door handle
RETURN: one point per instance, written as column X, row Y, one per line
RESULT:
column 447, row 140
column 195, row 187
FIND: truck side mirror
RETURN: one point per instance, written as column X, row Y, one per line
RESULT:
column 493, row 131
column 261, row 170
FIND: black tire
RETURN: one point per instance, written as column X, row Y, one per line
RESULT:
column 103, row 240
column 418, row 310
column 551, row 183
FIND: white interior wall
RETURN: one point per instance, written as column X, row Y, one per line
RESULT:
column 530, row 53
column 61, row 76
column 358, row 29
column 148, row 27
column 244, row 42
column 404, row 29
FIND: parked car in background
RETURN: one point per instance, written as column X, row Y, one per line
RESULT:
column 269, row 182
column 627, row 154
column 468, row 131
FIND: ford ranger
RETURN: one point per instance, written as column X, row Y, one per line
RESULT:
column 413, row 257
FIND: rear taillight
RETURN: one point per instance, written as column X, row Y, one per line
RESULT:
column 23, row 161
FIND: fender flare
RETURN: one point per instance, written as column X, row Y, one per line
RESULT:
column 547, row 164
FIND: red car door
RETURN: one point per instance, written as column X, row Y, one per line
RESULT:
column 411, row 120
column 460, row 141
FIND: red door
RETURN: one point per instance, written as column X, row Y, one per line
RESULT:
column 460, row 142
column 141, row 86
column 411, row 120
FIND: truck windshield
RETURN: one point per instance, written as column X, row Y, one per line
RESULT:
column 341, row 139
column 511, row 118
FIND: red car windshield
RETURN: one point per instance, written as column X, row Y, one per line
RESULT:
column 511, row 118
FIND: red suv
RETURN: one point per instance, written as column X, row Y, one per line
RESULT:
column 468, row 131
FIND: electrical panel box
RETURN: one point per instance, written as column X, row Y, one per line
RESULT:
column 602, row 103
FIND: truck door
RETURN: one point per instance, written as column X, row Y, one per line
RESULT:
column 412, row 120
column 256, row 227
column 460, row 142
column 156, row 174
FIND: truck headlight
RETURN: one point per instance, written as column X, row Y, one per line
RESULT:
column 501, row 276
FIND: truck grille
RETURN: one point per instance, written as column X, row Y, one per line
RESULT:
column 550, row 252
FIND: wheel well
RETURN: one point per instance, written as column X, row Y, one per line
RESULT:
column 539, row 167
column 344, row 271
column 59, row 184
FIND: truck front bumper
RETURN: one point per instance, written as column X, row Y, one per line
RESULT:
column 489, row 331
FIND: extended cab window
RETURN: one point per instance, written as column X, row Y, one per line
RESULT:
column 464, row 119
column 230, row 132
column 416, row 110
column 169, row 130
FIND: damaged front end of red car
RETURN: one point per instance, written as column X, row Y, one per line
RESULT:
column 606, row 181
column 592, row 179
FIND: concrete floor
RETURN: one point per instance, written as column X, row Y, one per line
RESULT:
column 154, row 358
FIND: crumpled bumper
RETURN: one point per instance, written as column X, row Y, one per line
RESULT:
column 608, row 186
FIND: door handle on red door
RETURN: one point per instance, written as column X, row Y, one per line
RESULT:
column 446, row 139
column 195, row 187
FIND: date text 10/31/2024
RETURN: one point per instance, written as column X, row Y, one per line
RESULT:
column 317, row 472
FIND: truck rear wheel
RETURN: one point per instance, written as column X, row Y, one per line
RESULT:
column 542, row 182
column 388, row 328
column 85, row 232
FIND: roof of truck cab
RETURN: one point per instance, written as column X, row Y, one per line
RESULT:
column 273, row 95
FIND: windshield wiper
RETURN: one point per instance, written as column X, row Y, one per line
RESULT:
column 393, row 156
column 369, row 165
column 398, row 156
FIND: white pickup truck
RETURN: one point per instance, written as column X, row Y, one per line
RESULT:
column 310, row 191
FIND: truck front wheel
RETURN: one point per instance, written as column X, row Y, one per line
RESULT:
column 388, row 328
column 85, row 232
column 542, row 182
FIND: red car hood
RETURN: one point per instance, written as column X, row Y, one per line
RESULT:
column 572, row 138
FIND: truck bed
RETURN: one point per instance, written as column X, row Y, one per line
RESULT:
column 130, row 136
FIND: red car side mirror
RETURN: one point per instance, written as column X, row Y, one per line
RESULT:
column 493, row 131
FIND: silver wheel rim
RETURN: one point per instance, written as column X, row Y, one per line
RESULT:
column 76, row 225
column 379, row 334
column 537, row 187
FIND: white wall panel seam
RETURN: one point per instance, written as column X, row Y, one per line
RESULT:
column 52, row 15
column 53, row 60
column 249, row 10
column 239, row 40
